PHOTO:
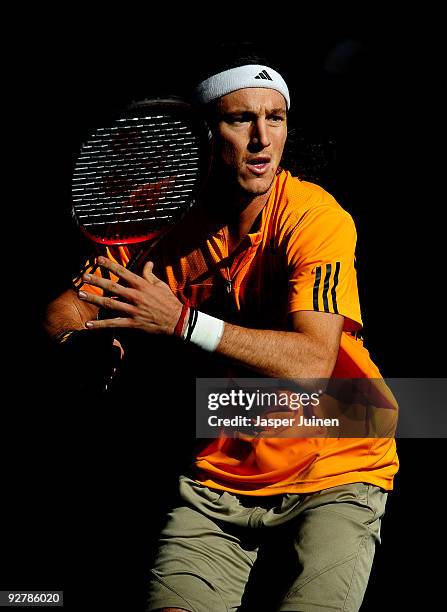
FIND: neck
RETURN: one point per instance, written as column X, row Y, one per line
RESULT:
column 234, row 208
column 236, row 212
column 239, row 226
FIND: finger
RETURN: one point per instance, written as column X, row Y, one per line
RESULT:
column 107, row 302
column 110, row 286
column 148, row 267
column 148, row 273
column 132, row 279
column 109, row 323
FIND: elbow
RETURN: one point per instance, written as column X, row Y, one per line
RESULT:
column 320, row 371
column 324, row 364
column 67, row 312
column 319, row 362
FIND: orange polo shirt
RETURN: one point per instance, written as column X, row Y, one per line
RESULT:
column 300, row 256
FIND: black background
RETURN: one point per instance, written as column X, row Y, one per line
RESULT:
column 81, row 500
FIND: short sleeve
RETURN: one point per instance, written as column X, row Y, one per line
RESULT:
column 320, row 255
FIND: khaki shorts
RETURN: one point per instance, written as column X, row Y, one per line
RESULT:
column 303, row 552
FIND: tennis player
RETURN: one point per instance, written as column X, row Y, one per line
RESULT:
column 259, row 278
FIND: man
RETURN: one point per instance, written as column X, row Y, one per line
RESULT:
column 259, row 278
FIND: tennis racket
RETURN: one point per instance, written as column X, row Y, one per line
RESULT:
column 140, row 173
column 137, row 176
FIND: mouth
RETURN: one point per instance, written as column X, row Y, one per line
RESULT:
column 258, row 165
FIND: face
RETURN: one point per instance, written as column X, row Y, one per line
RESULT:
column 250, row 134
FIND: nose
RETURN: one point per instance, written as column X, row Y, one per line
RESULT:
column 259, row 135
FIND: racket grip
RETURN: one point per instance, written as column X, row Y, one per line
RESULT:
column 88, row 360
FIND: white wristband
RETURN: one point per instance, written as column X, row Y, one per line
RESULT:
column 207, row 332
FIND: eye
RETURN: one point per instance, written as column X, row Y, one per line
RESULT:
column 276, row 118
column 239, row 118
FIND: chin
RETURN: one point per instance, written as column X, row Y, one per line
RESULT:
column 256, row 186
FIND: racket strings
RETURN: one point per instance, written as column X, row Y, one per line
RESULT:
column 136, row 176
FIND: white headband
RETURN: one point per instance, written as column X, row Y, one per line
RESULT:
column 252, row 75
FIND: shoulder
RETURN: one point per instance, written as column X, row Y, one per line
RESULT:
column 300, row 203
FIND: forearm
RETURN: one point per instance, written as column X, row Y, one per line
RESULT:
column 148, row 304
column 278, row 354
column 67, row 312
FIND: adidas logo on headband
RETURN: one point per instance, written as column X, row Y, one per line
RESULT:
column 264, row 75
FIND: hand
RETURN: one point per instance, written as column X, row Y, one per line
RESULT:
column 86, row 362
column 147, row 303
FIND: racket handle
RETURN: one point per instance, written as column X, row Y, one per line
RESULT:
column 89, row 359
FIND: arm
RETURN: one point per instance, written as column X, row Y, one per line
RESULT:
column 88, row 361
column 310, row 350
column 67, row 312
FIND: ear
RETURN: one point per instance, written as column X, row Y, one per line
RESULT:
column 208, row 118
